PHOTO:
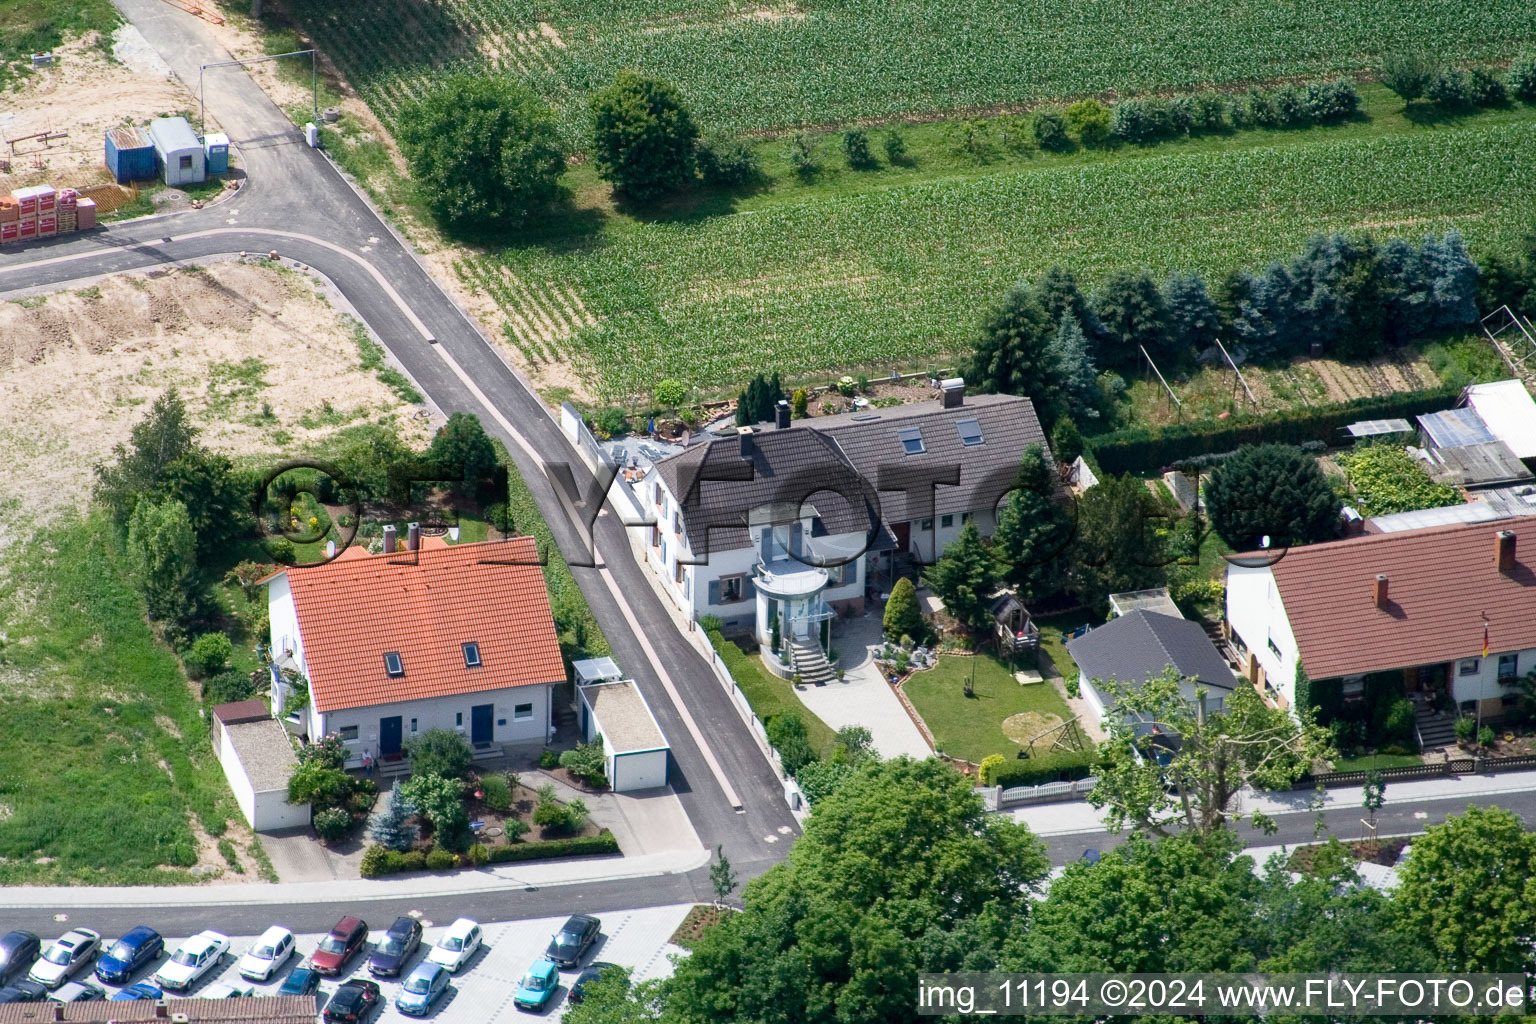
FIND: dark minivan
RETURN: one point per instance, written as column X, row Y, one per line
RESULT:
column 395, row 949
column 17, row 952
column 139, row 947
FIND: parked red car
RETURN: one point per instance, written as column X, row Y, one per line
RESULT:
column 338, row 948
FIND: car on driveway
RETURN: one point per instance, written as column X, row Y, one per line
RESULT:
column 78, row 992
column 65, row 956
column 140, row 947
column 24, row 991
column 593, row 972
column 395, row 949
column 195, row 958
column 301, row 981
column 457, row 945
column 572, row 941
column 537, row 987
column 422, row 989
column 267, row 954
column 338, row 948
column 17, row 951
column 139, row 990
column 354, row 1002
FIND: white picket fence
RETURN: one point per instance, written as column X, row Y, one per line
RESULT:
column 1046, row 792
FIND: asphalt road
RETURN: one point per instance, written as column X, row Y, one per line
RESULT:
column 297, row 203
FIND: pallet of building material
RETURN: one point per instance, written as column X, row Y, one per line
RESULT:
column 85, row 213
column 109, row 197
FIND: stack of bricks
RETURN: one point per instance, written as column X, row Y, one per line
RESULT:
column 10, row 217
column 43, row 211
column 68, row 211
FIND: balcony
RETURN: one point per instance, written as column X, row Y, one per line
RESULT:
column 788, row 579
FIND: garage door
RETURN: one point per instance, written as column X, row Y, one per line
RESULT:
column 639, row 771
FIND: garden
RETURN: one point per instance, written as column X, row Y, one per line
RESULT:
column 447, row 814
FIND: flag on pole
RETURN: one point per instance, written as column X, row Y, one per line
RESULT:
column 1485, row 638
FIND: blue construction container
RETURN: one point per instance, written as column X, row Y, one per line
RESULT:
column 216, row 152
column 130, row 154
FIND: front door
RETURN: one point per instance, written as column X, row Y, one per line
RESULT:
column 480, row 723
column 389, row 736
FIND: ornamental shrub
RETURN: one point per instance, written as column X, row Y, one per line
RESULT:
column 585, row 760
column 498, row 795
column 440, row 752
column 375, row 861
column 902, row 615
column 1399, row 727
column 1466, row 728
column 476, row 855
column 441, row 860
column 786, row 732
column 208, row 655
column 332, row 823
column 990, row 766
column 411, row 860
column 575, row 846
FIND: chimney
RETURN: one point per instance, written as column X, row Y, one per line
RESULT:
column 389, row 539
column 1505, row 550
column 781, row 415
column 161, row 1009
column 1381, row 590
column 413, row 537
column 745, row 434
column 952, row 392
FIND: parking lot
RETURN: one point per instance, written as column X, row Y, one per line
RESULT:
column 482, row 990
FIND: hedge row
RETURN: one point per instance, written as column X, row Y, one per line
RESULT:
column 1145, row 449
column 381, row 861
column 1036, row 771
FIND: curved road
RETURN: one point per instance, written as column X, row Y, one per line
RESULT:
column 296, row 202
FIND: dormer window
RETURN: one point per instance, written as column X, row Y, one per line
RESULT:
column 471, row 654
column 393, row 665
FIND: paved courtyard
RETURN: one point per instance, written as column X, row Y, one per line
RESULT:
column 481, row 992
column 862, row 697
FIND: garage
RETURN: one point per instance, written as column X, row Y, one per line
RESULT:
column 258, row 759
column 615, row 711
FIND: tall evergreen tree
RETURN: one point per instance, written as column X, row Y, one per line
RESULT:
column 755, row 404
column 1341, row 302
column 1194, row 321
column 1013, row 355
column 1078, row 393
column 965, row 577
column 138, row 467
column 1034, row 531
column 1270, row 490
column 1267, row 321
column 1117, row 543
column 1059, row 293
column 1131, row 308
column 462, row 443
column 1452, row 276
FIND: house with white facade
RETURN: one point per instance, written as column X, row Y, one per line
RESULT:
column 429, row 636
column 1450, row 610
column 778, row 528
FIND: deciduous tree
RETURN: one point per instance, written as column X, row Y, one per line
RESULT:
column 644, row 140
column 162, row 550
column 462, row 443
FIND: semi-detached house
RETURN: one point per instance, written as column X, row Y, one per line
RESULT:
column 789, row 522
column 434, row 636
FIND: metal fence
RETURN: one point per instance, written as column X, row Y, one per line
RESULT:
column 1451, row 766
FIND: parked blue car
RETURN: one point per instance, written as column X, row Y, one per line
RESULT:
column 137, row 949
column 138, row 990
column 301, row 981
column 537, row 986
column 422, row 989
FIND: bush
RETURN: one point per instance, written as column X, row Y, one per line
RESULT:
column 585, row 761
column 1522, row 77
column 728, row 163
column 375, row 861
column 610, row 422
column 440, row 752
column 1485, row 736
column 1332, row 102
column 856, row 148
column 550, row 814
column 896, row 148
column 786, row 732
column 1181, row 116
column 1290, row 106
column 498, row 516
column 1487, row 88
column 498, row 795
column 328, row 752
column 575, row 846
column 1210, row 112
column 1051, row 131
column 441, row 860
column 332, row 823
column 1037, row 771
column 476, row 855
column 1089, row 121
column 230, row 686
column 990, row 766
column 902, row 615
column 548, row 759
column 411, row 860
column 1449, row 88
column 279, row 549
column 319, row 786
column 1139, row 121
column 209, row 654
column 1399, row 726
column 483, row 150
column 644, row 140
column 1257, row 111
column 1466, row 728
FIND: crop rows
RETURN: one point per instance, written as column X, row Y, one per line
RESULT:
column 898, row 277
column 747, row 66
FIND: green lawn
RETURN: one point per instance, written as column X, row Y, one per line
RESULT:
column 972, row 727
column 1360, row 764
column 769, row 695
column 749, row 67
column 890, row 269
column 105, row 769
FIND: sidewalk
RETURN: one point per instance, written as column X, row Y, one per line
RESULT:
column 863, row 697
column 492, row 878
column 1078, row 817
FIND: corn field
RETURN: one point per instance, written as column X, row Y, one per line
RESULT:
column 755, row 66
column 900, row 277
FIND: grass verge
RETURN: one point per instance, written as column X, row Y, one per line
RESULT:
column 769, row 695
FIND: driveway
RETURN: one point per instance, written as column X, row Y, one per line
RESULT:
column 863, row 697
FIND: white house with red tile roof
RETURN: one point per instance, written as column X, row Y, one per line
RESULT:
column 456, row 637
column 1423, row 602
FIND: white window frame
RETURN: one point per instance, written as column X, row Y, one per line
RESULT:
column 522, row 712
column 469, row 648
column 1468, row 667
column 344, row 730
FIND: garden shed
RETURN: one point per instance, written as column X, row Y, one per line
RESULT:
column 178, row 151
column 258, row 759
column 633, row 743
